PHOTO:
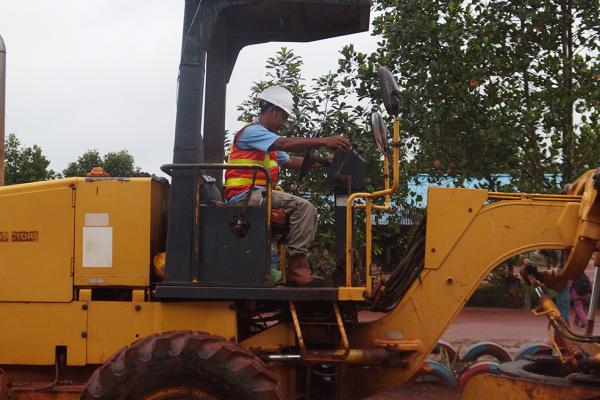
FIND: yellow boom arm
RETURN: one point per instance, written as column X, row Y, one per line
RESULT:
column 469, row 232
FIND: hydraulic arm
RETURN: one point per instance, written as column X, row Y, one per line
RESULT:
column 469, row 232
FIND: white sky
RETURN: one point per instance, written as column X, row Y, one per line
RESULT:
column 102, row 74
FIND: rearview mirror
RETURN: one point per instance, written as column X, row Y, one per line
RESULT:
column 389, row 91
column 379, row 131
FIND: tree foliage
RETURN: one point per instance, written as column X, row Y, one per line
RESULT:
column 487, row 88
column 84, row 164
column 491, row 87
column 25, row 164
column 119, row 163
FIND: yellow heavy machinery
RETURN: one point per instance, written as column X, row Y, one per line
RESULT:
column 84, row 314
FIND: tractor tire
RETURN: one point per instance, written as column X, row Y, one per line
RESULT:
column 443, row 347
column 533, row 350
column 183, row 365
column 440, row 372
column 4, row 385
column 481, row 349
column 484, row 367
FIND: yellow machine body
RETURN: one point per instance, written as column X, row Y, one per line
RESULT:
column 62, row 239
column 36, row 262
column 92, row 331
column 466, row 238
column 78, row 232
column 52, row 267
column 469, row 232
column 119, row 225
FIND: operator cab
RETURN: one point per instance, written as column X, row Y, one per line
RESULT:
column 239, row 243
column 234, row 242
column 220, row 251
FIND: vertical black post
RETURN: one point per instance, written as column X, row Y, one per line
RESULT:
column 346, row 176
column 188, row 126
column 340, row 228
column 188, row 149
column 214, row 110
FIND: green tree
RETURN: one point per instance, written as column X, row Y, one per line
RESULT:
column 449, row 122
column 84, row 164
column 25, row 164
column 119, row 163
column 551, row 55
column 490, row 87
column 486, row 88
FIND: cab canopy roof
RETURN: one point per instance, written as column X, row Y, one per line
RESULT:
column 241, row 23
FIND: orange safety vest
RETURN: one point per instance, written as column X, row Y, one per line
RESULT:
column 239, row 180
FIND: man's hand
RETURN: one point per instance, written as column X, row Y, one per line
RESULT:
column 337, row 142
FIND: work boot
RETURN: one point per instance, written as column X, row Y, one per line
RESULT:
column 298, row 274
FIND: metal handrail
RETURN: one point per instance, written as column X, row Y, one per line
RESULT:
column 369, row 206
column 169, row 168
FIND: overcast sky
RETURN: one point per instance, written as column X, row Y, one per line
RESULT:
column 103, row 73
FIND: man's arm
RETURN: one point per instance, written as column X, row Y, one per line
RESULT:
column 294, row 162
column 303, row 144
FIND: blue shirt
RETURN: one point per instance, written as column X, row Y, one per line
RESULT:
column 257, row 137
column 563, row 301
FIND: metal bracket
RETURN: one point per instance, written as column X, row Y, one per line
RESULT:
column 321, row 356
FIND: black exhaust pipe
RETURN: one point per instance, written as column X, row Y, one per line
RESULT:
column 188, row 148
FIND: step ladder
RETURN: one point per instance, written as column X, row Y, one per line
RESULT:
column 321, row 356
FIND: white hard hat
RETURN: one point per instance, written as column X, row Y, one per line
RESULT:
column 280, row 97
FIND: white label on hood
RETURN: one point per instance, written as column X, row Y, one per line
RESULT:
column 97, row 247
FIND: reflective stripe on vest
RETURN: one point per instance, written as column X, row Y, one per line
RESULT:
column 238, row 181
column 266, row 162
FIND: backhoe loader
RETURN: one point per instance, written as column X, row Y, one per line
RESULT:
column 88, row 313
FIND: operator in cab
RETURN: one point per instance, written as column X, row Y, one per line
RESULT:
column 258, row 143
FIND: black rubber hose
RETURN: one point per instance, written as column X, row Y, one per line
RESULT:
column 406, row 272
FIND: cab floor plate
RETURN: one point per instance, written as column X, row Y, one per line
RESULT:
column 196, row 292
